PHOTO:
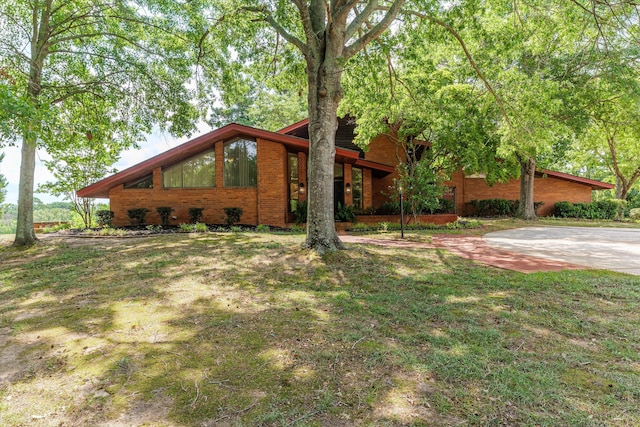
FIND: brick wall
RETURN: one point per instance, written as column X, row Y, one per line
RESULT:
column 272, row 183
column 271, row 191
column 546, row 189
column 382, row 149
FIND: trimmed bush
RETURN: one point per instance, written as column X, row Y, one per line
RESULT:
column 499, row 207
column 634, row 214
column 136, row 216
column 104, row 217
column 601, row 209
column 301, row 212
column 344, row 213
column 164, row 212
column 233, row 215
column 195, row 215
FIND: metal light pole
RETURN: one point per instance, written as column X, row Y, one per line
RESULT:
column 400, row 191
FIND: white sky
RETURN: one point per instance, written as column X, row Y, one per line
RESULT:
column 155, row 144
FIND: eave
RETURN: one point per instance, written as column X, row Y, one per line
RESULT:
column 595, row 185
column 190, row 148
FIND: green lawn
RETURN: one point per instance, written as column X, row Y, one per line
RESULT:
column 249, row 329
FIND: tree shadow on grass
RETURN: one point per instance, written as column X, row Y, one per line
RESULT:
column 251, row 330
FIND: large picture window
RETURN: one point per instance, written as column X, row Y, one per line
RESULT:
column 240, row 163
column 198, row 171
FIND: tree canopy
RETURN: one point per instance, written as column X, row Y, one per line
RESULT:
column 129, row 63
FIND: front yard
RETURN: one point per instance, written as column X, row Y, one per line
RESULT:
column 248, row 329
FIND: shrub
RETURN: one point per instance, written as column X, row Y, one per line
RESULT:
column 186, row 228
column 199, row 227
column 164, row 212
column 499, row 207
column 195, row 215
column 262, row 228
column 362, row 227
column 602, row 209
column 634, row 214
column 233, row 215
column 301, row 212
column 389, row 208
column 136, row 216
column 344, row 213
column 104, row 217
column 235, row 229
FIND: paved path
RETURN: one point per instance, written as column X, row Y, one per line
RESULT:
column 616, row 249
column 474, row 248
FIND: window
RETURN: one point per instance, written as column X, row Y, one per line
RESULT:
column 146, row 182
column 240, row 163
column 294, row 182
column 198, row 171
column 356, row 189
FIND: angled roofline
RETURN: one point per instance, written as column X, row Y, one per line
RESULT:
column 190, row 148
column 295, row 126
column 595, row 185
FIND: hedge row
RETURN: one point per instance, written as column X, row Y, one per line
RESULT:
column 602, row 209
column 498, row 207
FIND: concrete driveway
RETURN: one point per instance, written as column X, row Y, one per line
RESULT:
column 616, row 249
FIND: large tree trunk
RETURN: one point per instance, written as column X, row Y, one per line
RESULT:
column 324, row 74
column 526, row 209
column 25, row 234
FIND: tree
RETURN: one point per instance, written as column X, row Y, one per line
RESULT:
column 325, row 36
column 126, row 59
column 79, row 160
column 3, row 186
column 426, row 97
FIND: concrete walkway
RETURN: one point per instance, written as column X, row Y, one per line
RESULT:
column 474, row 248
column 616, row 249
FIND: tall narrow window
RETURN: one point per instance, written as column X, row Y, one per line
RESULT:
column 294, row 181
column 357, row 189
column 240, row 163
column 198, row 171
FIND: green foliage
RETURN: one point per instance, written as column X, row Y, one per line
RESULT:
column 235, row 229
column 601, row 209
column 233, row 215
column 262, row 228
column 97, row 74
column 344, row 213
column 388, row 208
column 104, row 217
column 301, row 212
column 136, row 215
column 195, row 215
column 3, row 186
column 199, row 227
column 164, row 212
column 498, row 207
column 634, row 214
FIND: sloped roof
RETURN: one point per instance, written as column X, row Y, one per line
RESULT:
column 595, row 185
column 190, row 148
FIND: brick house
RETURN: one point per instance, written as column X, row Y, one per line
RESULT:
column 264, row 173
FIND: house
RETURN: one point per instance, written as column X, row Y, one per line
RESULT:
column 265, row 174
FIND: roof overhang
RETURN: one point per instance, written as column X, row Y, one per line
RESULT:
column 190, row 148
column 595, row 185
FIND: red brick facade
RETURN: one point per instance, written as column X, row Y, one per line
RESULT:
column 547, row 189
column 268, row 202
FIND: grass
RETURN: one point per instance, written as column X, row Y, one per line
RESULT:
column 249, row 329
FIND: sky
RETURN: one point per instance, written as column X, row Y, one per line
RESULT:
column 154, row 144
